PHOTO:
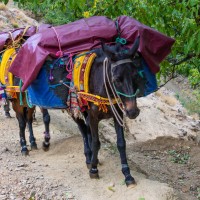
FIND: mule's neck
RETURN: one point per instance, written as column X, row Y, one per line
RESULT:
column 96, row 80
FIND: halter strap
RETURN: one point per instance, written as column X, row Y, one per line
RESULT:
column 120, row 62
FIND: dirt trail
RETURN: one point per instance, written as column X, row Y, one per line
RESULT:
column 61, row 173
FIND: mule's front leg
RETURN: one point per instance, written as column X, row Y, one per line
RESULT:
column 121, row 145
column 95, row 147
column 46, row 120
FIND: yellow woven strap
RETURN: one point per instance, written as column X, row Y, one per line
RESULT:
column 97, row 100
column 12, row 91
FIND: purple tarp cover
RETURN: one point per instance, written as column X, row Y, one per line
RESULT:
column 154, row 46
column 6, row 36
column 85, row 34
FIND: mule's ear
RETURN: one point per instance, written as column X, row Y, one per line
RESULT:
column 107, row 50
column 135, row 47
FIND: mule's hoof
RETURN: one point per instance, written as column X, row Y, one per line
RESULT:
column 131, row 185
column 130, row 182
column 25, row 153
column 7, row 115
column 45, row 146
column 34, row 146
column 94, row 174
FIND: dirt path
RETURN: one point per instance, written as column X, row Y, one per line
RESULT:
column 61, row 173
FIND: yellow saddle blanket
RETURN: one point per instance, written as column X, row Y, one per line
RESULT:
column 6, row 78
column 81, row 71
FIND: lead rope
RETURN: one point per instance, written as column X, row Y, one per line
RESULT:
column 115, row 112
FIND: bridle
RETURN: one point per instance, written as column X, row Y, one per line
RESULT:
column 115, row 93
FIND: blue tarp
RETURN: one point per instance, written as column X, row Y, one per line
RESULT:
column 42, row 94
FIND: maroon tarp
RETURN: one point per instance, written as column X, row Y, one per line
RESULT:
column 154, row 46
column 80, row 35
column 85, row 34
column 5, row 36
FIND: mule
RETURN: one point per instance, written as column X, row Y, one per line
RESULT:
column 25, row 115
column 113, row 75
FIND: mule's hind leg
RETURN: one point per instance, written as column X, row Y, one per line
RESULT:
column 22, row 127
column 93, row 121
column 29, row 116
column 86, row 134
column 121, row 145
column 46, row 120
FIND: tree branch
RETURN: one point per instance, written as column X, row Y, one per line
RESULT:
column 176, row 62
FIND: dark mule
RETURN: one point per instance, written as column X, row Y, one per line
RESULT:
column 114, row 76
column 24, row 115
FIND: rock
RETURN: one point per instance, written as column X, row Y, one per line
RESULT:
column 22, row 165
column 3, row 197
column 182, row 133
column 69, row 195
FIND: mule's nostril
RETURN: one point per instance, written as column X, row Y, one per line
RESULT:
column 132, row 114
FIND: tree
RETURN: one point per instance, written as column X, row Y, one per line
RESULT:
column 179, row 19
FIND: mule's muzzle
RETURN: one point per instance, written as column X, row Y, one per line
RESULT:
column 133, row 113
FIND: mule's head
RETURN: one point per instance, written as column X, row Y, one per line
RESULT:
column 124, row 76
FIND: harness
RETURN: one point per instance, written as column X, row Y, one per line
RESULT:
column 113, row 89
column 81, row 74
column 6, row 78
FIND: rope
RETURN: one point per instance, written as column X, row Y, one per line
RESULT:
column 115, row 112
column 27, row 101
column 126, row 95
column 20, row 94
column 119, row 39
column 59, row 53
column 70, row 68
column 25, row 29
column 116, row 96
column 59, row 84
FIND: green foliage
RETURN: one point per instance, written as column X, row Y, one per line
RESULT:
column 190, row 101
column 198, row 195
column 179, row 19
column 179, row 156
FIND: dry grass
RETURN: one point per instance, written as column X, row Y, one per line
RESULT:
column 3, row 6
column 12, row 18
column 170, row 100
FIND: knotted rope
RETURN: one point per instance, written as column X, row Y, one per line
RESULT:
column 60, row 52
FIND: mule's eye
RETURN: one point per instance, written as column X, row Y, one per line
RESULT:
column 117, row 80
